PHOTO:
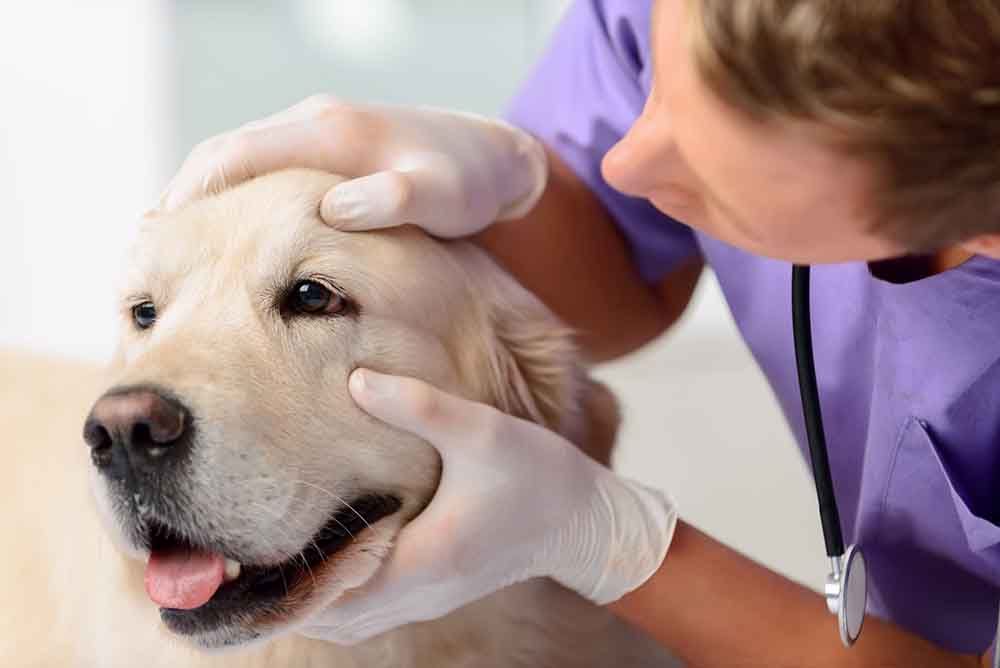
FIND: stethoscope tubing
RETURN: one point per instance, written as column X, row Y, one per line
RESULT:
column 809, row 392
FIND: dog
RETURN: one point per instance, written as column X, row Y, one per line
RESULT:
column 227, row 487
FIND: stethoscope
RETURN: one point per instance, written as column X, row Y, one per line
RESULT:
column 846, row 589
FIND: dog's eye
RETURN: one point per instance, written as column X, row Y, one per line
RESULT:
column 315, row 298
column 144, row 315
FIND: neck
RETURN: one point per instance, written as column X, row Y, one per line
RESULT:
column 909, row 268
column 949, row 258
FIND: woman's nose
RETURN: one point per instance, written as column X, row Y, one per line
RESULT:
column 645, row 157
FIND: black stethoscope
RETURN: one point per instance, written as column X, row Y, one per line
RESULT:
column 846, row 587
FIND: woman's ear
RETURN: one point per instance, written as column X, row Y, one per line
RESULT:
column 987, row 244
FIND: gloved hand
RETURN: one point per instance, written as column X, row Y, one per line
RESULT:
column 451, row 173
column 515, row 502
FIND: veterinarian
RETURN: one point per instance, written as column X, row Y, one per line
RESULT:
column 654, row 139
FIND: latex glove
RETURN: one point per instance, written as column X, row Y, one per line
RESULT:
column 515, row 501
column 452, row 173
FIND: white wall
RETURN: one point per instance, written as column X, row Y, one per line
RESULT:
column 83, row 140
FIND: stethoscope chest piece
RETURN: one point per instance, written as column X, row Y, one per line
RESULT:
column 847, row 593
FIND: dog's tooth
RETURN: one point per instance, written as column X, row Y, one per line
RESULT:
column 232, row 570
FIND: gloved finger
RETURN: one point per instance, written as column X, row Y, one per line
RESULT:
column 311, row 107
column 308, row 109
column 346, row 626
column 333, row 625
column 354, row 631
column 241, row 156
column 368, row 203
column 429, row 194
column 337, row 636
column 318, row 135
column 444, row 420
column 387, row 600
column 528, row 176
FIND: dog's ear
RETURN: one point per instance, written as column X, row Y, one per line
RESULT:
column 536, row 369
column 532, row 366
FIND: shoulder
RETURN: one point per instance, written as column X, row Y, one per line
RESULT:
column 620, row 27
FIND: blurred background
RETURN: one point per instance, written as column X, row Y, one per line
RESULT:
column 102, row 101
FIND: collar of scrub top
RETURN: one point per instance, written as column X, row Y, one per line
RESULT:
column 846, row 589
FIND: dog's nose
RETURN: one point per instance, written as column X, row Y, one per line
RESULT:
column 136, row 427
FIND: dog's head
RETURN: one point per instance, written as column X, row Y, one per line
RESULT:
column 228, row 452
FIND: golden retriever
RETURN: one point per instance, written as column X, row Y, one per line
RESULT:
column 228, row 475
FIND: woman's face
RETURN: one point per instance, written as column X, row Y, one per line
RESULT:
column 777, row 191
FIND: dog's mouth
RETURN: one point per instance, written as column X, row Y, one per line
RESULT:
column 200, row 590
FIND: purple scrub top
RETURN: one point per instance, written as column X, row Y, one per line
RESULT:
column 909, row 374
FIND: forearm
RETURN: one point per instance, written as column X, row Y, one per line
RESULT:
column 715, row 607
column 569, row 253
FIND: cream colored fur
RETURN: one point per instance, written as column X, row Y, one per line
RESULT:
column 280, row 442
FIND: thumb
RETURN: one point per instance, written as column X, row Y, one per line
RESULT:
column 412, row 405
column 429, row 193
column 369, row 202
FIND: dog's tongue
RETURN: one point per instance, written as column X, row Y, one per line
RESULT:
column 183, row 578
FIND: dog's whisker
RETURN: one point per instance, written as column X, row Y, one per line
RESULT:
column 277, row 525
column 338, row 498
column 278, row 518
column 299, row 555
column 312, row 576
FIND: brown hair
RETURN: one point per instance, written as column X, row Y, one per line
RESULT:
column 913, row 84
